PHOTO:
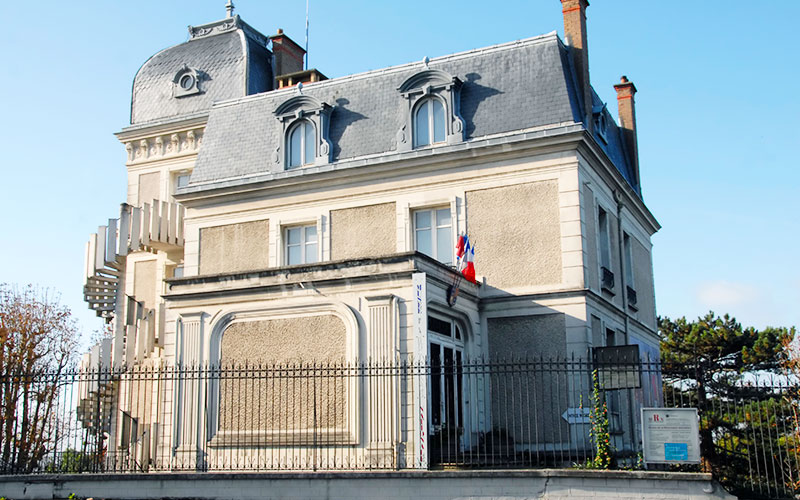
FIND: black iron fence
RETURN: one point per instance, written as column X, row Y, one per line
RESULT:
column 450, row 412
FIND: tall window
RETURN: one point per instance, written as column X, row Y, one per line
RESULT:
column 605, row 247
column 301, row 245
column 628, row 256
column 433, row 234
column 446, row 384
column 301, row 150
column 429, row 122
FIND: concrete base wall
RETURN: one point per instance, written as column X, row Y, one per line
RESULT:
column 423, row 485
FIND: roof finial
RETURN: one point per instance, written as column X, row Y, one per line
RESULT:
column 425, row 61
column 229, row 8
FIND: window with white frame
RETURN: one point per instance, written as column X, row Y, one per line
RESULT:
column 301, row 245
column 429, row 126
column 181, row 179
column 433, row 233
column 301, row 142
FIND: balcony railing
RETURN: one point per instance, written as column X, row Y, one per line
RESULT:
column 607, row 279
column 631, row 296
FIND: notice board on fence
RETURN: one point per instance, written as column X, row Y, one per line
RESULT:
column 618, row 367
column 670, row 436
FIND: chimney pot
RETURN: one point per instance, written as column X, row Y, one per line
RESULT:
column 627, row 120
column 574, row 12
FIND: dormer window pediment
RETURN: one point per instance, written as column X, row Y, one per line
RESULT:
column 432, row 110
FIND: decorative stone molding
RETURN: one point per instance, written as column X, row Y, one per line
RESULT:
column 422, row 85
column 164, row 146
column 305, row 107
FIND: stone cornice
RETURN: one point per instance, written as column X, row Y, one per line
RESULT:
column 176, row 143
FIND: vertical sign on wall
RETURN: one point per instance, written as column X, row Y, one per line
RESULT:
column 420, row 321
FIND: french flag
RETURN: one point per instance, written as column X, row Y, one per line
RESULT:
column 463, row 242
column 467, row 264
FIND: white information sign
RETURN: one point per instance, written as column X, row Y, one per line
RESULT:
column 670, row 436
column 577, row 415
column 420, row 322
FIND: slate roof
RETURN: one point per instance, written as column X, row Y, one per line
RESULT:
column 506, row 88
column 234, row 61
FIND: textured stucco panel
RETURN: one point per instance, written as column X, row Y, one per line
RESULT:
column 517, row 233
column 643, row 276
column 149, row 187
column 590, row 221
column 363, row 231
column 235, row 247
column 292, row 398
column 144, row 282
column 533, row 337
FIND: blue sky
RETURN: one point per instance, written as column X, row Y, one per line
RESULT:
column 717, row 113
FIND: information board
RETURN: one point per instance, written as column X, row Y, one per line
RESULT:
column 670, row 436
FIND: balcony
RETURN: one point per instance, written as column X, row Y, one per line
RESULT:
column 607, row 280
column 631, row 294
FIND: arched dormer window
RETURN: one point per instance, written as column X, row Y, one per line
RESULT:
column 301, row 144
column 432, row 113
column 429, row 126
column 306, row 121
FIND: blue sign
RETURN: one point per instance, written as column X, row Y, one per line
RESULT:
column 676, row 451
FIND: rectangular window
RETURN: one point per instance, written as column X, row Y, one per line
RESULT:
column 628, row 256
column 433, row 234
column 301, row 245
column 605, row 247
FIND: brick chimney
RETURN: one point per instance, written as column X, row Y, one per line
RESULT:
column 288, row 55
column 627, row 120
column 575, row 35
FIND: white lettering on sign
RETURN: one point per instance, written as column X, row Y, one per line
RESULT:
column 420, row 322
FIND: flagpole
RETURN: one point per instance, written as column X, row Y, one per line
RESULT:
column 306, row 62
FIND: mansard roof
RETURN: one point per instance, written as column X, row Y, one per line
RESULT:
column 230, row 58
column 505, row 89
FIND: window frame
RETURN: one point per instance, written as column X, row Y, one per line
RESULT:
column 303, row 124
column 430, row 102
column 434, row 229
column 303, row 243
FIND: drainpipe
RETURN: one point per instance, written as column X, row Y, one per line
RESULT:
column 620, row 245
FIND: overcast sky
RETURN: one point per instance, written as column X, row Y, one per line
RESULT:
column 717, row 112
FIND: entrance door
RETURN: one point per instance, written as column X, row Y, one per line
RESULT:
column 446, row 351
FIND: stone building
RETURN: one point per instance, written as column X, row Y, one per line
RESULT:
column 270, row 222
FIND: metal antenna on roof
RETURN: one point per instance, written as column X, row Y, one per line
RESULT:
column 306, row 61
column 229, row 8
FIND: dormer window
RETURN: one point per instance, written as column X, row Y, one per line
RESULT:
column 429, row 127
column 306, row 122
column 301, row 148
column 186, row 82
column 432, row 110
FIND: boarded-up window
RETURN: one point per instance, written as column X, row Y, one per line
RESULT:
column 234, row 248
column 282, row 379
column 517, row 233
column 363, row 231
column 149, row 188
